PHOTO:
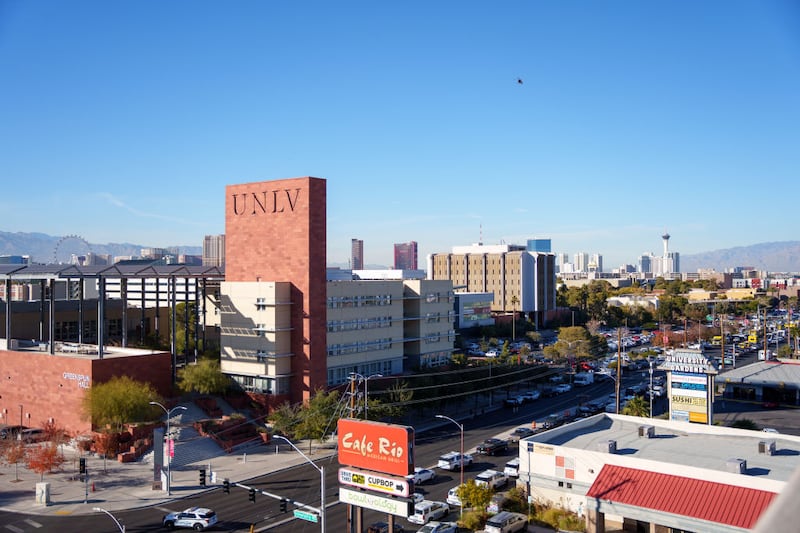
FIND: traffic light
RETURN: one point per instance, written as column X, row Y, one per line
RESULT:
column 81, row 465
column 202, row 477
column 226, row 486
column 283, row 505
column 252, row 495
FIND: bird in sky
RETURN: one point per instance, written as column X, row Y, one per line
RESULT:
column 519, row 81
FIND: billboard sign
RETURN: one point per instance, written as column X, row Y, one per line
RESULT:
column 376, row 446
column 689, row 400
column 384, row 504
column 372, row 481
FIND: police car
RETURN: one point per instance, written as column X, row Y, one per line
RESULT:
column 197, row 518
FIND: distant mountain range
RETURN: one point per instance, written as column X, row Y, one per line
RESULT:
column 770, row 256
column 42, row 248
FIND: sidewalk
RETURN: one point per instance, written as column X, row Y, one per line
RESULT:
column 116, row 486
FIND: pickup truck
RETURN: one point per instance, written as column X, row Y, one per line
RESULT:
column 492, row 446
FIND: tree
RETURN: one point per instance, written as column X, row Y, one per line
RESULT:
column 43, row 458
column 204, row 377
column 118, row 401
column 637, row 407
column 472, row 495
column 285, row 418
column 396, row 398
column 12, row 452
column 319, row 417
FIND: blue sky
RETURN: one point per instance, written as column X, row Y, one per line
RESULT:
column 124, row 121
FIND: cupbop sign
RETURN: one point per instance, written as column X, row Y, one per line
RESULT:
column 376, row 446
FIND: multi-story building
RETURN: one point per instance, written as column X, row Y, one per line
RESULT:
column 539, row 245
column 581, row 262
column 214, row 250
column 405, row 256
column 375, row 322
column 595, row 263
column 357, row 254
column 520, row 280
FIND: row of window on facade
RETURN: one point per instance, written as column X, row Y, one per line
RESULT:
column 68, row 331
column 263, row 385
column 359, row 347
column 337, row 302
column 360, row 323
column 339, row 375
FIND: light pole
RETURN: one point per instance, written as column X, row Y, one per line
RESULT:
column 167, row 440
column 321, row 481
column 120, row 526
column 366, row 391
column 651, row 388
column 461, row 457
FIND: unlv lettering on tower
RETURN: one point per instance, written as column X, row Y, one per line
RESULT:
column 254, row 203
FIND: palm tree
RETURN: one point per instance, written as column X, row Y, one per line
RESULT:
column 637, row 407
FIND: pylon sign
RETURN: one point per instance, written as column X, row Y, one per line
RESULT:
column 395, row 486
column 376, row 446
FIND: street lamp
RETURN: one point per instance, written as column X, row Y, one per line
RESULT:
column 651, row 388
column 321, row 481
column 366, row 392
column 461, row 457
column 120, row 526
column 167, row 440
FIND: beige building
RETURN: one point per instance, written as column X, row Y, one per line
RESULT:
column 374, row 326
column 520, row 280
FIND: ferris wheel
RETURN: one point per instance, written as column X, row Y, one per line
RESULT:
column 68, row 248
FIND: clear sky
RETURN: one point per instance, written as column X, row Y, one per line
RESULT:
column 123, row 121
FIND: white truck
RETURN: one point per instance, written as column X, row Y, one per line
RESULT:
column 582, row 379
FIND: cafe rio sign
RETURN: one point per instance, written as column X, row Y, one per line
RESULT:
column 376, row 446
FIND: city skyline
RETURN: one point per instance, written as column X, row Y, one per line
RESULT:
column 597, row 126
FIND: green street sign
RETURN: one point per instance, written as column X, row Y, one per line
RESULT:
column 305, row 515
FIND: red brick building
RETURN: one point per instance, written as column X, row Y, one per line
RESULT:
column 275, row 231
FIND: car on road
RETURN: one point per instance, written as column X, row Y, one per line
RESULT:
column 197, row 518
column 531, row 395
column 562, row 388
column 514, row 401
column 453, row 460
column 428, row 511
column 439, row 527
column 423, row 475
column 520, row 433
column 492, row 446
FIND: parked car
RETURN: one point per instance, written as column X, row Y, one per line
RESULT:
column 492, row 353
column 506, row 522
column 520, row 433
column 492, row 479
column 423, row 475
column 492, row 446
column 427, row 511
column 197, row 518
column 439, row 527
column 383, row 527
column 511, row 468
column 452, row 496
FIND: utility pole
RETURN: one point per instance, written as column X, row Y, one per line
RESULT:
column 619, row 364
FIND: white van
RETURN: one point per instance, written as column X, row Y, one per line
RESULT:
column 512, row 468
column 428, row 510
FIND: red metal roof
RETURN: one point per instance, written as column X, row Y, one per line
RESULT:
column 704, row 500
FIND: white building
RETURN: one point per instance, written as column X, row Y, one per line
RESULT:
column 656, row 475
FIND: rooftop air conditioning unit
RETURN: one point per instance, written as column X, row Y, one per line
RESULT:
column 736, row 466
column 647, row 431
column 608, row 446
column 766, row 447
